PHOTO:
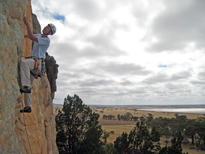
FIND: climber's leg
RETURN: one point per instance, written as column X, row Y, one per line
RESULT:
column 25, row 67
column 27, row 96
column 26, row 81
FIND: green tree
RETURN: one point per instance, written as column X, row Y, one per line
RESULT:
column 77, row 128
column 91, row 142
column 140, row 140
column 110, row 149
column 149, row 117
column 105, row 136
column 175, row 147
column 191, row 129
column 118, row 117
column 166, row 133
column 201, row 132
column 121, row 144
column 143, row 141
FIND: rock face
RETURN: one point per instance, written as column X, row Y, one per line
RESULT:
column 38, row 136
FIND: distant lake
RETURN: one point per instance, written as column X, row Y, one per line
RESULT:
column 177, row 110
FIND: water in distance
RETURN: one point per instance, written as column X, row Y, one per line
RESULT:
column 178, row 110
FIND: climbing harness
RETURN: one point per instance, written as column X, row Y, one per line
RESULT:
column 36, row 61
column 39, row 69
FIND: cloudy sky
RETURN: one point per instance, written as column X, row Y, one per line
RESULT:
column 127, row 52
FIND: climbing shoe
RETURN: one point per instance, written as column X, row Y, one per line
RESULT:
column 27, row 110
column 25, row 89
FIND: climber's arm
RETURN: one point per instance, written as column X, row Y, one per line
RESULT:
column 30, row 33
column 26, row 36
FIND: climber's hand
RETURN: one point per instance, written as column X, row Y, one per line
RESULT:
column 29, row 30
column 26, row 20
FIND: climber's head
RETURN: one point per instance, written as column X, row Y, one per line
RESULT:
column 50, row 29
column 53, row 28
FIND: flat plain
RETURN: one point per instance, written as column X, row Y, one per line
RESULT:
column 118, row 127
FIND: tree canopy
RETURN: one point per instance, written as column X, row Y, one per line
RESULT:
column 77, row 128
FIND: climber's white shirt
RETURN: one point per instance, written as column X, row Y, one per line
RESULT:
column 40, row 47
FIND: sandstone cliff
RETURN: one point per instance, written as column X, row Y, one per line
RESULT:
column 38, row 136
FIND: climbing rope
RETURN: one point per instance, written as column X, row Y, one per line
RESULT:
column 25, row 127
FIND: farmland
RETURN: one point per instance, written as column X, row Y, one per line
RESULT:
column 118, row 127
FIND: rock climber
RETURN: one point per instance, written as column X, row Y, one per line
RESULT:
column 40, row 46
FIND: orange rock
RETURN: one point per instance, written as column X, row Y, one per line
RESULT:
column 38, row 135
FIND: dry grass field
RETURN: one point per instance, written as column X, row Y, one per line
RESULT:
column 116, row 111
column 126, row 126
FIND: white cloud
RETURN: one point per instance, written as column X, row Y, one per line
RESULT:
column 115, row 52
column 178, row 25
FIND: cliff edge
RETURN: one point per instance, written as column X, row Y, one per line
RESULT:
column 29, row 132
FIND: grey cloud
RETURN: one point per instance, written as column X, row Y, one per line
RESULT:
column 88, row 9
column 95, row 82
column 98, row 52
column 174, row 90
column 71, row 75
column 101, row 71
column 172, row 86
column 104, row 45
column 139, row 11
column 126, row 82
column 181, row 75
column 123, row 69
column 137, row 91
column 201, row 79
column 178, row 89
column 160, row 78
column 66, row 52
column 129, row 93
column 198, row 82
column 101, row 40
column 180, row 23
column 201, row 75
column 64, row 85
column 91, row 9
